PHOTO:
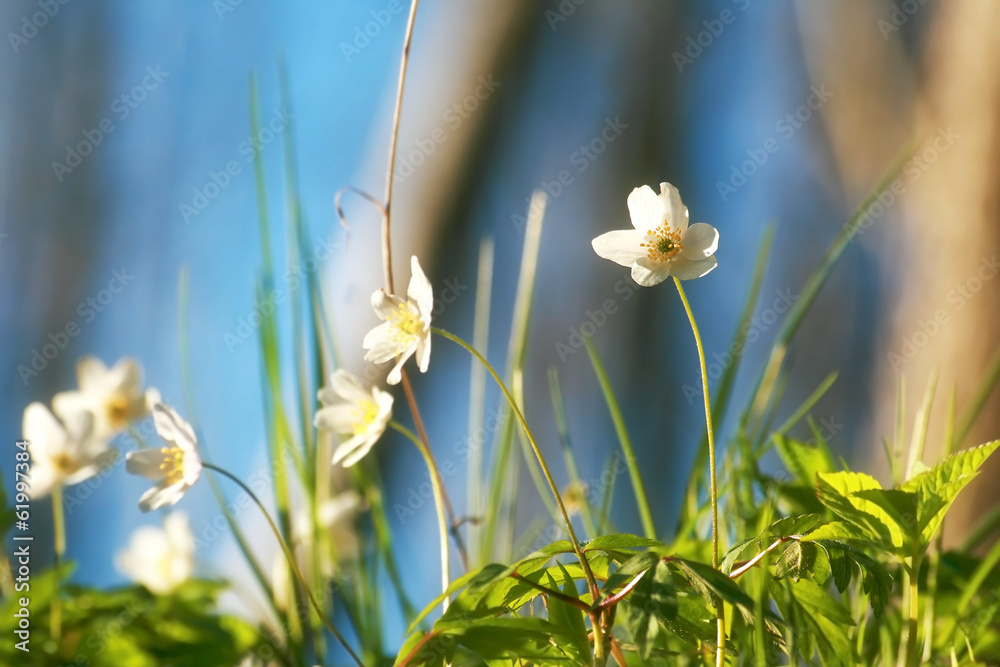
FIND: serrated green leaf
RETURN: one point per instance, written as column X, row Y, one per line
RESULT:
column 802, row 459
column 524, row 638
column 733, row 555
column 711, row 583
column 485, row 575
column 803, row 559
column 564, row 615
column 793, row 525
column 876, row 581
column 619, row 542
column 937, row 488
column 652, row 602
column 816, row 598
column 839, row 492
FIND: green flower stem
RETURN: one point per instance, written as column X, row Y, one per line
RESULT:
column 720, row 638
column 292, row 563
column 59, row 527
column 438, row 489
column 914, row 615
column 591, row 582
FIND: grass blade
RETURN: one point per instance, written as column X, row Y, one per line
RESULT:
column 477, row 396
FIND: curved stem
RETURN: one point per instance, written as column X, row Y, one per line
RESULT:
column 292, row 563
column 386, row 241
column 59, row 527
column 437, row 488
column 720, row 638
column 591, row 582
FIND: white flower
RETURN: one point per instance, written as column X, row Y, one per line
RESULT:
column 113, row 394
column 352, row 410
column 177, row 467
column 407, row 326
column 62, row 453
column 662, row 244
column 160, row 559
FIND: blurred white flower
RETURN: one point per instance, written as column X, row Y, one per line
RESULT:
column 662, row 244
column 160, row 559
column 336, row 521
column 351, row 410
column 177, row 467
column 62, row 452
column 407, row 326
column 113, row 394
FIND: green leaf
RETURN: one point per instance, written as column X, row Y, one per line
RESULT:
column 793, row 525
column 711, row 583
column 838, row 491
column 938, row 487
column 803, row 559
column 734, row 553
column 564, row 615
column 618, row 542
column 652, row 602
column 527, row 639
column 876, row 581
column 816, row 598
column 479, row 578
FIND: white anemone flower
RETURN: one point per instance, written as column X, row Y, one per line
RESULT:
column 63, row 453
column 662, row 244
column 351, row 410
column 176, row 467
column 407, row 326
column 161, row 559
column 113, row 394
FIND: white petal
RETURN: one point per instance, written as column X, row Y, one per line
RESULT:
column 396, row 374
column 384, row 351
column 686, row 269
column 424, row 353
column 44, row 477
column 337, row 418
column 92, row 468
column 192, row 467
column 648, row 275
column 145, row 462
column 384, row 304
column 162, row 495
column 675, row 210
column 126, row 377
column 91, row 374
column 178, row 532
column 44, row 433
column 348, row 386
column 67, row 403
column 172, row 428
column 701, row 240
column 419, row 290
column 348, row 449
column 646, row 209
column 341, row 508
column 620, row 246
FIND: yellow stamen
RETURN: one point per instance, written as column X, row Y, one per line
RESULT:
column 118, row 411
column 406, row 324
column 663, row 243
column 367, row 412
column 173, row 464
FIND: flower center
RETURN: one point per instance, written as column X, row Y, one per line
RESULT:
column 406, row 324
column 367, row 411
column 663, row 243
column 117, row 408
column 64, row 463
column 173, row 464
